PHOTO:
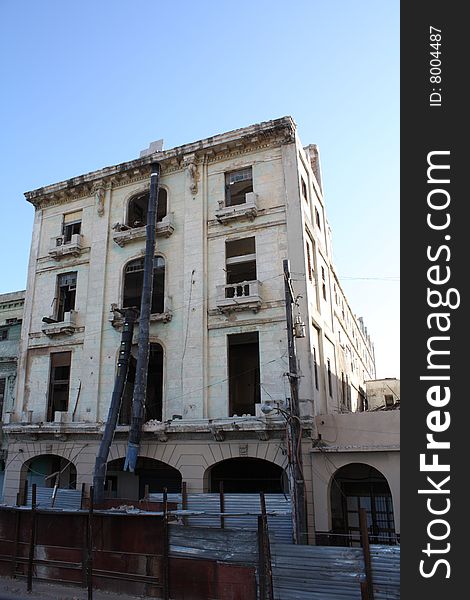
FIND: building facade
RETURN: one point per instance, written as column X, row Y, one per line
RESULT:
column 231, row 208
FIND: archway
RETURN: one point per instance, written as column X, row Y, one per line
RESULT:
column 247, row 475
column 49, row 470
column 154, row 473
column 357, row 486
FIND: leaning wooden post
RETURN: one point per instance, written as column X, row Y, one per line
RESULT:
column 366, row 550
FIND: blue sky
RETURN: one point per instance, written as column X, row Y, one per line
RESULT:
column 89, row 84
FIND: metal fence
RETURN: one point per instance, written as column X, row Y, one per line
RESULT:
column 244, row 509
column 56, row 498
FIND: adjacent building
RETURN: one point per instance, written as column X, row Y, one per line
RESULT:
column 231, row 208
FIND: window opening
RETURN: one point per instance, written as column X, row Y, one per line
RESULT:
column 133, row 281
column 59, row 383
column 243, row 372
column 237, row 185
column 67, row 285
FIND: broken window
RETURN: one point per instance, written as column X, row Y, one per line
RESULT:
column 59, row 383
column 388, row 399
column 138, row 206
column 71, row 225
column 240, row 260
column 237, row 185
column 154, row 390
column 243, row 372
column 3, row 334
column 66, row 289
column 133, row 281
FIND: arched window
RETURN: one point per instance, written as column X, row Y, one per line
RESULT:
column 133, row 280
column 137, row 208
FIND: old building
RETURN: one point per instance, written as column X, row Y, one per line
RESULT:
column 230, row 209
column 383, row 393
column 11, row 314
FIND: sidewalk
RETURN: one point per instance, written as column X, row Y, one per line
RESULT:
column 15, row 589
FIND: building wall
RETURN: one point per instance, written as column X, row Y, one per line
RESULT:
column 378, row 389
column 193, row 330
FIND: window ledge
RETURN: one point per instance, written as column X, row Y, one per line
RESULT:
column 247, row 210
column 66, row 327
column 124, row 234
column 117, row 320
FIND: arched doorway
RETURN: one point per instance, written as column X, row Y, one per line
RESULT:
column 49, row 470
column 247, row 475
column 154, row 473
column 357, row 486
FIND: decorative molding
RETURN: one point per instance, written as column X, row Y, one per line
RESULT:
column 192, row 171
column 99, row 191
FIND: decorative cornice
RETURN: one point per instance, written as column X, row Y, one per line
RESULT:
column 220, row 147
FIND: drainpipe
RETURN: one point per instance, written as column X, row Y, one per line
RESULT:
column 141, row 371
column 130, row 316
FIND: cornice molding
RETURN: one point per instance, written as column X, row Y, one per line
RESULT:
column 218, row 148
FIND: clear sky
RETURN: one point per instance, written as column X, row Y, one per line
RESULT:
column 89, row 84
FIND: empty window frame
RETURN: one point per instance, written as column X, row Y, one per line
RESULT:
column 317, row 218
column 323, row 283
column 59, row 384
column 154, row 391
column 71, row 225
column 3, row 334
column 138, row 206
column 315, row 366
column 133, row 281
column 243, row 372
column 330, row 385
column 66, row 290
column 310, row 259
column 388, row 399
column 237, row 185
column 303, row 188
column 240, row 265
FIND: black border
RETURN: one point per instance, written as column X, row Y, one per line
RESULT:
column 425, row 129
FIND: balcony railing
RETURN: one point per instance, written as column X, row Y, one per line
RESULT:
column 244, row 295
column 68, row 326
column 61, row 247
column 123, row 234
column 247, row 210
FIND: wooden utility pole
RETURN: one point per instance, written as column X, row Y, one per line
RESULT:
column 294, row 425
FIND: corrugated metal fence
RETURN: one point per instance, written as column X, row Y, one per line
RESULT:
column 64, row 499
column 332, row 573
column 246, row 506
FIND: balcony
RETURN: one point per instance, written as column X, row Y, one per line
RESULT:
column 247, row 210
column 123, row 234
column 60, row 247
column 117, row 320
column 68, row 326
column 244, row 295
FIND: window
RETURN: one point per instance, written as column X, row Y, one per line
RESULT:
column 59, row 383
column 330, row 386
column 309, row 260
column 71, row 225
column 3, row 334
column 240, row 261
column 315, row 366
column 243, row 373
column 323, row 285
column 388, row 399
column 138, row 206
column 66, row 289
column 237, row 185
column 153, row 391
column 317, row 218
column 133, row 281
column 303, row 187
